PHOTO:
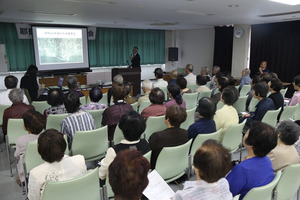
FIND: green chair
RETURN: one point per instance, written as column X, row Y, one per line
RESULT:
column 288, row 184
column 82, row 100
column 271, row 117
column 118, row 135
column 192, row 86
column 190, row 99
column 245, row 89
column 144, row 104
column 283, row 91
column 252, row 105
column 232, row 137
column 165, row 90
column 263, row 192
column 204, row 94
column 220, row 105
column 297, row 113
column 40, row 106
column 97, row 116
column 135, row 106
column 2, row 108
column 190, row 119
column 104, row 99
column 288, row 113
column 240, row 105
column 173, row 162
column 208, row 84
column 85, row 187
column 148, row 155
column 15, row 129
column 54, row 121
column 154, row 124
column 91, row 144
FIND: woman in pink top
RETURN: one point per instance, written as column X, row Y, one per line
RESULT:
column 176, row 97
column 296, row 97
column 157, row 108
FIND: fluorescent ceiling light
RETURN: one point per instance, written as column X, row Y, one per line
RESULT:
column 288, row 2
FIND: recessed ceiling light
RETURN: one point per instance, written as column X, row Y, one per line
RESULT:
column 288, row 2
column 233, row 6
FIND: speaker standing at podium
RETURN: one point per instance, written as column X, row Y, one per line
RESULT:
column 135, row 58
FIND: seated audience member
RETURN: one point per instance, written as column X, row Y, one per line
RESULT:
column 133, row 126
column 256, row 79
column 128, row 99
column 56, row 100
column 257, row 169
column 10, row 83
column 275, row 85
column 57, row 166
column 260, row 92
column 273, row 75
column 113, row 114
column 160, row 82
column 157, row 107
column 296, row 97
column 205, row 123
column 77, row 120
column 212, row 162
column 34, row 123
column 173, row 76
column 172, row 136
column 245, row 80
column 201, row 82
column 213, row 82
column 95, row 96
column 147, row 87
column 29, row 82
column 190, row 77
column 73, row 86
column 205, row 72
column 17, row 109
column 297, row 143
column 130, row 169
column 263, row 68
column 285, row 153
column 175, row 96
column 182, row 84
column 227, row 115
column 223, row 80
column 117, row 80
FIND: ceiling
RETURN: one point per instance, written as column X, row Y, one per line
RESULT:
column 147, row 14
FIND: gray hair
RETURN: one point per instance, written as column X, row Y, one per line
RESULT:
column 118, row 79
column 147, row 84
column 72, row 82
column 288, row 132
column 16, row 95
column 189, row 67
column 216, row 68
column 204, row 70
column 247, row 70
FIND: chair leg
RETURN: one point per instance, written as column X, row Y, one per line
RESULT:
column 8, row 156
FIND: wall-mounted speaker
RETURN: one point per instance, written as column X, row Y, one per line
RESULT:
column 173, row 54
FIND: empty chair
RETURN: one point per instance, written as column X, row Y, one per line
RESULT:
column 192, row 86
column 91, row 144
column 288, row 184
column 84, row 187
column 263, row 192
column 240, row 105
column 245, row 89
column 40, row 106
column 190, row 99
column 204, row 94
column 172, row 162
column 288, row 112
column 232, row 137
column 144, row 105
column 190, row 119
column 97, row 116
column 154, row 124
column 271, row 117
column 54, row 121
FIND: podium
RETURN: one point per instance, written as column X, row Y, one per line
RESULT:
column 132, row 75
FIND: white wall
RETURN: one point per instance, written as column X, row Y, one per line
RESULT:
column 195, row 47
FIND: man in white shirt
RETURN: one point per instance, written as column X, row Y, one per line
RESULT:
column 160, row 82
column 190, row 77
column 10, row 83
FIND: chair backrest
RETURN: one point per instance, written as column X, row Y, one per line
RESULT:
column 252, row 104
column 192, row 86
column 54, row 121
column 144, row 104
column 297, row 113
column 154, row 124
column 165, row 90
column 208, row 84
column 148, row 155
column 220, row 105
column 40, row 106
column 245, row 89
column 271, row 117
column 172, row 162
column 91, row 144
column 289, row 183
column 2, row 108
column 97, row 116
column 15, row 129
column 118, row 135
column 104, row 99
column 82, row 100
column 232, row 137
column 288, row 113
column 84, row 187
column 263, row 192
column 198, row 141
column 190, row 119
column 32, row 157
column 204, row 94
column 190, row 99
column 240, row 105
column 283, row 91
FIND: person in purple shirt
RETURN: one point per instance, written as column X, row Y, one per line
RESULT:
column 175, row 96
column 257, row 169
column 205, row 124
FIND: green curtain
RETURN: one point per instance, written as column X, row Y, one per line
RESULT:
column 112, row 47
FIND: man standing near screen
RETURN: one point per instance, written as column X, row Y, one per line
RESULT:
column 135, row 58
